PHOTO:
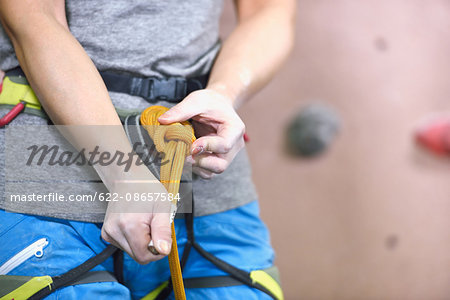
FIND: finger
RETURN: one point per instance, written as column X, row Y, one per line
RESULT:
column 138, row 238
column 213, row 163
column 119, row 241
column 181, row 112
column 189, row 160
column 212, row 143
column 203, row 173
column 161, row 232
column 221, row 143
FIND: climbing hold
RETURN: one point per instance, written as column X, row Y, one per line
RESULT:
column 312, row 130
column 434, row 135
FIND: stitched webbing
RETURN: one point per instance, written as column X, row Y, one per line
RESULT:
column 174, row 141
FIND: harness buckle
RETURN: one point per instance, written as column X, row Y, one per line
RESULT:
column 172, row 89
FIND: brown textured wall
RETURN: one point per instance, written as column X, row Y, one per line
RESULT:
column 371, row 218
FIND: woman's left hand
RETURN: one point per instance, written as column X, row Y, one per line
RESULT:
column 218, row 128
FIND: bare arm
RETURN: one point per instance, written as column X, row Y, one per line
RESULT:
column 249, row 58
column 256, row 49
column 72, row 92
column 59, row 70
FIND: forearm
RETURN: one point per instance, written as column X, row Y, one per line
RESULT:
column 60, row 72
column 73, row 93
column 255, row 50
column 67, row 84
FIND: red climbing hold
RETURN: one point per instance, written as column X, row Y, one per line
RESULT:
column 435, row 136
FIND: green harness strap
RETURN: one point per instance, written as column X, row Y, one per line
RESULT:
column 28, row 287
column 22, row 287
column 268, row 278
column 16, row 89
column 269, row 281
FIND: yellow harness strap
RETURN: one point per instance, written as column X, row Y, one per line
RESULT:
column 267, row 281
column 29, row 288
column 174, row 141
column 13, row 92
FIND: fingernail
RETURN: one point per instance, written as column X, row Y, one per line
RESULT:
column 163, row 246
column 153, row 250
column 197, row 150
column 190, row 159
column 165, row 115
column 162, row 118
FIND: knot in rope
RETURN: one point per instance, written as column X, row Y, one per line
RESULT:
column 174, row 132
column 174, row 141
column 161, row 135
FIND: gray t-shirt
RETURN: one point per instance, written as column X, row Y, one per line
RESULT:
column 146, row 38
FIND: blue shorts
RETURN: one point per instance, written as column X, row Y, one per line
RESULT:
column 237, row 236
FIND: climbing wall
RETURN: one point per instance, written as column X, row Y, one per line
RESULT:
column 370, row 217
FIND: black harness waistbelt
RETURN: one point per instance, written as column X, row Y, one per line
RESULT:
column 171, row 89
column 153, row 89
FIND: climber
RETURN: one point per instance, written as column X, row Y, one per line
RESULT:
column 166, row 53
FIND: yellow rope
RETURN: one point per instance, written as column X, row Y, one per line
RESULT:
column 174, row 141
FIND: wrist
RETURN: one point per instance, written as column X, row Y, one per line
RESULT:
column 224, row 93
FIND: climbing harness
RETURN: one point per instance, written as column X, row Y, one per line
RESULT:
column 33, row 288
column 18, row 96
column 266, row 280
column 170, row 89
column 174, row 140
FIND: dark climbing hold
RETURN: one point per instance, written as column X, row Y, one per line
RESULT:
column 312, row 130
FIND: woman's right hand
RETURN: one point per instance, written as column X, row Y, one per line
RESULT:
column 138, row 204
column 131, row 225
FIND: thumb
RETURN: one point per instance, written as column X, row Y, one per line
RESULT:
column 183, row 111
column 161, row 232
